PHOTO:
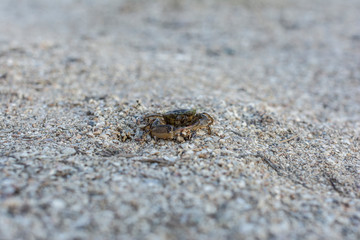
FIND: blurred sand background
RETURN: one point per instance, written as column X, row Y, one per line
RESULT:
column 281, row 78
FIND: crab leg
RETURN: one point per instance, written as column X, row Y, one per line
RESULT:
column 204, row 122
column 155, row 115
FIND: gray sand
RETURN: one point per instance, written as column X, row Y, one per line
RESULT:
column 281, row 79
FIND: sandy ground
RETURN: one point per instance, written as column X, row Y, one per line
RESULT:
column 281, row 79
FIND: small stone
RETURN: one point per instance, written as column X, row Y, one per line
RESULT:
column 210, row 208
column 58, row 204
column 68, row 151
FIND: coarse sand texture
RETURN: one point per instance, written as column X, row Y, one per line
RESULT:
column 280, row 78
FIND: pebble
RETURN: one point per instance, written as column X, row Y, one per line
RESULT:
column 68, row 151
column 58, row 204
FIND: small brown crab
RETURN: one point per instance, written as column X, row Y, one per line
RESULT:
column 181, row 123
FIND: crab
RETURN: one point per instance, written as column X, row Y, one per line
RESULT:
column 176, row 124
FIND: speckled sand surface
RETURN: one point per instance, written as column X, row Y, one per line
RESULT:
column 281, row 78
